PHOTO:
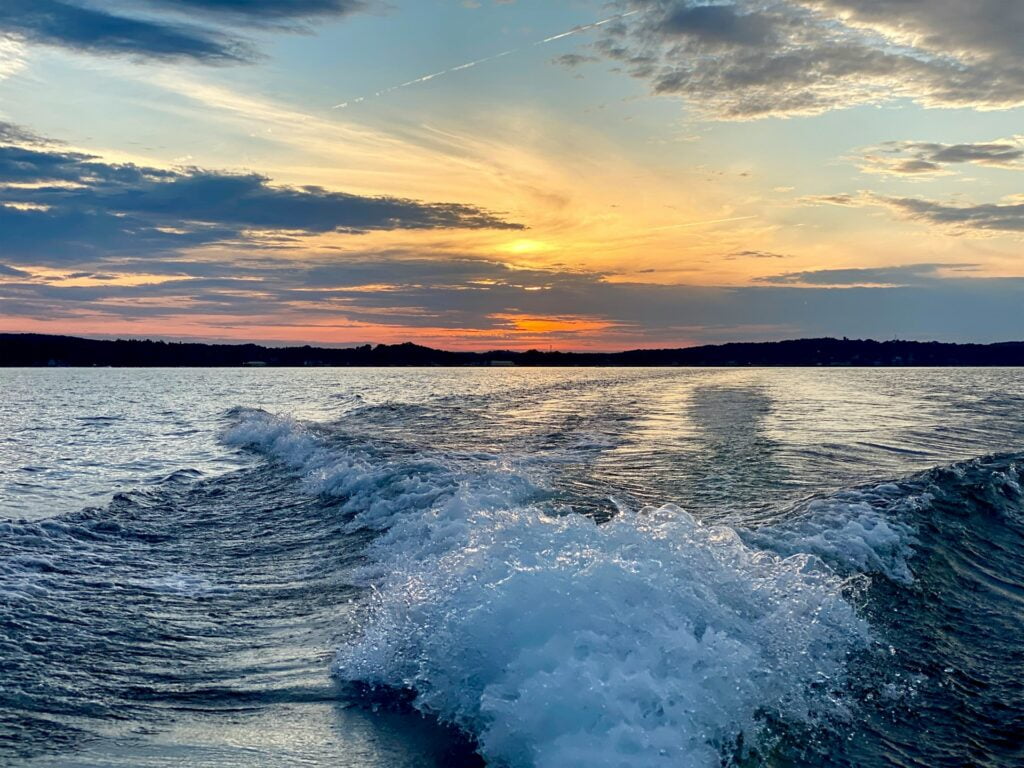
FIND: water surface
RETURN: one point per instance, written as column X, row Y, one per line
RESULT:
column 547, row 567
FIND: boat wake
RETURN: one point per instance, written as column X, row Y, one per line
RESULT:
column 874, row 625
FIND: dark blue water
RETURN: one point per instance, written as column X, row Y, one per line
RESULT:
column 522, row 568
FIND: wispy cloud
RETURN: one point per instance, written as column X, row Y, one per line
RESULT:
column 11, row 133
column 9, row 271
column 960, row 218
column 12, row 56
column 986, row 217
column 921, row 158
column 752, row 254
column 573, row 59
column 903, row 275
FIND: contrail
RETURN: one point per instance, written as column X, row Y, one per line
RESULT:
column 585, row 28
column 470, row 64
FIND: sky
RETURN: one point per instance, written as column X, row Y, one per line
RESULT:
column 482, row 174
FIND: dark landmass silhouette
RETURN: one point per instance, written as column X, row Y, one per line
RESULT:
column 29, row 349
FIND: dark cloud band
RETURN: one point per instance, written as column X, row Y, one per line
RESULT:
column 59, row 207
column 69, row 25
column 466, row 295
column 196, row 30
column 259, row 11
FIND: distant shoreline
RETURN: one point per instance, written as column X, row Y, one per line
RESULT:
column 39, row 350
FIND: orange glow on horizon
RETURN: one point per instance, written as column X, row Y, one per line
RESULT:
column 520, row 334
column 580, row 205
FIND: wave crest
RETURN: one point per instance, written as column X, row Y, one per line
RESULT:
column 648, row 640
column 557, row 641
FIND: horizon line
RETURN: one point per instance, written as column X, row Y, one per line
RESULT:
column 270, row 345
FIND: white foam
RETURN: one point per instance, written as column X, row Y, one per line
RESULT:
column 647, row 641
column 650, row 640
column 865, row 530
column 285, row 439
column 375, row 488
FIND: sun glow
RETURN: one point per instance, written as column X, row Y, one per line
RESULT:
column 526, row 246
column 545, row 325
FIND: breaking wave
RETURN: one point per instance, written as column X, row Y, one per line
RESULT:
column 651, row 639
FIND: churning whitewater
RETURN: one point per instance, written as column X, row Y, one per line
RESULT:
column 648, row 640
column 566, row 568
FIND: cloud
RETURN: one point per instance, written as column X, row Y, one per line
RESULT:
column 31, row 165
column 755, row 255
column 12, row 57
column 60, row 206
column 1007, row 216
column 68, row 25
column 260, row 11
column 10, row 133
column 979, row 29
column 990, row 217
column 908, row 274
column 197, row 30
column 916, row 158
column 750, row 59
column 718, row 25
column 460, row 301
column 12, row 272
column 843, row 200
column 572, row 60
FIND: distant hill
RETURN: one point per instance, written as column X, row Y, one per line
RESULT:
column 29, row 349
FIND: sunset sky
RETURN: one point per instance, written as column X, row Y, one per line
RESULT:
column 512, row 173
